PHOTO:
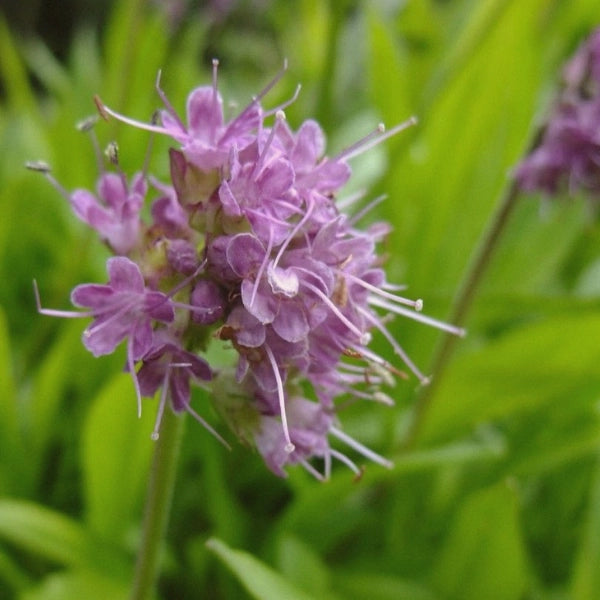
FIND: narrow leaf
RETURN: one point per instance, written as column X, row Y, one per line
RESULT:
column 262, row 582
column 483, row 555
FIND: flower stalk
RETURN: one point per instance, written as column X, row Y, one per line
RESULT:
column 158, row 505
column 461, row 306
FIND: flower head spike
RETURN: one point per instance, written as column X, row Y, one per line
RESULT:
column 567, row 156
column 123, row 308
column 248, row 246
column 115, row 212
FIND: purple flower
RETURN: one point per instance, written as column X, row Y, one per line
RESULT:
column 567, row 156
column 248, row 245
column 122, row 309
column 166, row 363
column 114, row 213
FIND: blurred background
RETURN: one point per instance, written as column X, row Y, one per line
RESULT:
column 495, row 494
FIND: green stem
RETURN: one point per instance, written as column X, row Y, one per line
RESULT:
column 158, row 505
column 461, row 305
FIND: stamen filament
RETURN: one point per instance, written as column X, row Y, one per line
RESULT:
column 416, row 304
column 374, row 139
column 381, row 303
column 273, row 111
column 369, row 207
column 51, row 312
column 289, row 448
column 105, row 110
column 345, row 460
column 161, row 406
column 170, row 109
column 294, row 232
column 362, row 336
column 262, row 268
column 395, row 345
column 360, row 448
column 312, row 470
column 136, row 383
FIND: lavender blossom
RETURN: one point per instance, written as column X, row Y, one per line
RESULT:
column 567, row 157
column 248, row 246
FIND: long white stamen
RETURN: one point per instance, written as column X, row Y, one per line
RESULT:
column 345, row 460
column 262, row 268
column 260, row 163
column 312, row 470
column 284, row 105
column 327, row 465
column 161, row 406
column 416, row 304
column 375, row 138
column 202, row 422
column 360, row 448
column 51, row 312
column 345, row 203
column 376, row 396
column 293, row 233
column 362, row 336
column 364, row 211
column 289, row 447
column 170, row 109
column 136, row 383
column 382, row 303
column 105, row 110
column 352, row 150
column 395, row 345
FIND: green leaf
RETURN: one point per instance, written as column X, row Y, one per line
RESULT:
column 14, row 74
column 57, row 538
column 10, row 447
column 586, row 572
column 520, row 371
column 116, row 450
column 300, row 564
column 374, row 586
column 12, row 575
column 483, row 555
column 50, row 386
column 262, row 582
column 388, row 73
column 78, row 584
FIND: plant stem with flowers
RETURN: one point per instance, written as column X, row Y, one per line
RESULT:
column 247, row 246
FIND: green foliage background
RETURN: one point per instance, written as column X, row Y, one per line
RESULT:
column 499, row 495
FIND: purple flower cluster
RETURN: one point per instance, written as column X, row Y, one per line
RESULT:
column 568, row 153
column 246, row 245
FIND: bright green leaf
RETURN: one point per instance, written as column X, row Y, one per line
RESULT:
column 116, row 452
column 520, row 371
column 56, row 537
column 262, row 582
column 483, row 555
column 299, row 563
column 77, row 584
column 357, row 586
column 9, row 434
column 586, row 574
